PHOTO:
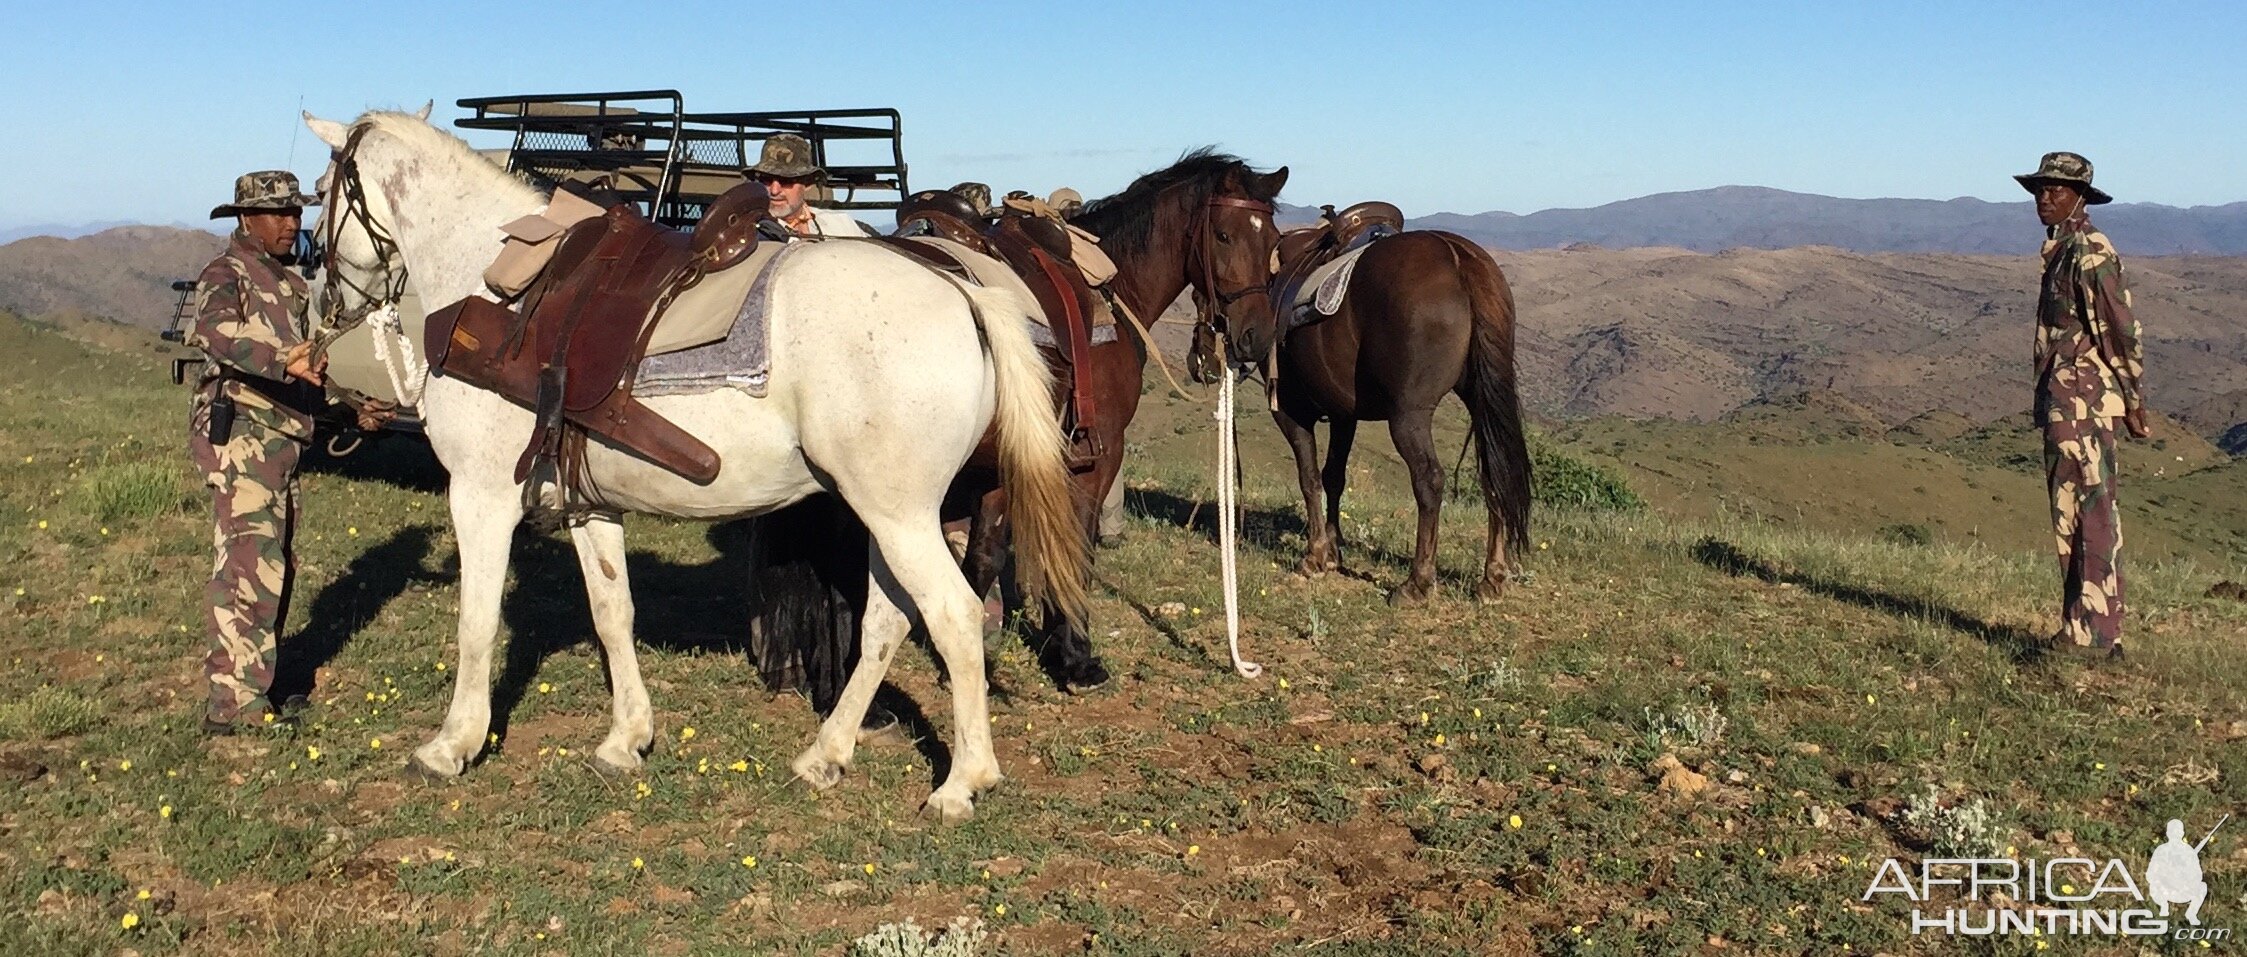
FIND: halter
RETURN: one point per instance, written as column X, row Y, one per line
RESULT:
column 1215, row 298
column 349, row 203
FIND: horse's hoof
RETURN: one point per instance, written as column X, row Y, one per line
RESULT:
column 608, row 765
column 419, row 769
column 1489, row 592
column 1408, row 595
column 1314, row 568
column 948, row 809
column 817, row 771
column 1088, row 679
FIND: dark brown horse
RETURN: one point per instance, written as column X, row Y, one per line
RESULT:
column 1205, row 222
column 1426, row 313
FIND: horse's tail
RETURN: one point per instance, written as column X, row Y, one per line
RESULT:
column 1052, row 551
column 1493, row 398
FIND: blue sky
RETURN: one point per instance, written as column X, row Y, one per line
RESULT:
column 145, row 111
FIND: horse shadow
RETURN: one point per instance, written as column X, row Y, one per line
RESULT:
column 399, row 459
column 701, row 608
column 1730, row 559
column 349, row 603
column 1266, row 529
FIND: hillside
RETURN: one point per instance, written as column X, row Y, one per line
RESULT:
column 1667, row 333
column 1646, row 332
column 1690, row 728
column 1711, row 220
column 122, row 274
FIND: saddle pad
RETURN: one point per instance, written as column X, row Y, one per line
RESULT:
column 706, row 313
column 1324, row 288
column 989, row 272
column 741, row 357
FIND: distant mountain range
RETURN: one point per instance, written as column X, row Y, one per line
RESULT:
column 1729, row 217
column 1649, row 332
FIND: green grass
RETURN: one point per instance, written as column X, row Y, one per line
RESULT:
column 1365, row 806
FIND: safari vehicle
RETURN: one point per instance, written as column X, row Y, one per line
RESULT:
column 650, row 151
column 673, row 163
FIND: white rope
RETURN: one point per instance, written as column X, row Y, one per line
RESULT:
column 385, row 328
column 1227, row 513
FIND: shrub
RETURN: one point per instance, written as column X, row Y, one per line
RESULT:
column 48, row 712
column 1562, row 479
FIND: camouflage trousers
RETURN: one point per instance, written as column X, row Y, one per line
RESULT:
column 253, row 511
column 2087, row 527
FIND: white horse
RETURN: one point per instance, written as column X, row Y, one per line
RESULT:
column 884, row 376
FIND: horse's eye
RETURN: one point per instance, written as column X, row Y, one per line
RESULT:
column 1224, row 237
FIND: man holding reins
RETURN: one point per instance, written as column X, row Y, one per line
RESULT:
column 251, row 419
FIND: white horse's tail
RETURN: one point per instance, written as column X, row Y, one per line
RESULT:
column 1051, row 550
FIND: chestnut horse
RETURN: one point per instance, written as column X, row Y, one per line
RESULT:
column 1426, row 313
column 1204, row 222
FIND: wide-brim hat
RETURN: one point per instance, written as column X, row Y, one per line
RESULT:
column 265, row 191
column 2065, row 167
column 788, row 155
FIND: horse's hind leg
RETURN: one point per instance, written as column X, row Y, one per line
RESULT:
column 600, row 557
column 1340, row 436
column 484, row 517
column 1412, row 432
column 1320, row 554
column 913, row 568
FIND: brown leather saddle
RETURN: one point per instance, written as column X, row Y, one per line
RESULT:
column 1303, row 251
column 1039, row 251
column 574, row 341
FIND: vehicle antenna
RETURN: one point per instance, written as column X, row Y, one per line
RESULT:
column 294, row 128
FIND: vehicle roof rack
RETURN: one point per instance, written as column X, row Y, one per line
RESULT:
column 675, row 163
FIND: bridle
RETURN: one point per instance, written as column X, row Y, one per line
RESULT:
column 349, row 202
column 1215, row 298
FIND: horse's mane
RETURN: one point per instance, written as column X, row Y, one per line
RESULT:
column 1126, row 221
column 428, row 140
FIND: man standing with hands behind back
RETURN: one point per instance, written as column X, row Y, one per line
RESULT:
column 2089, row 364
column 252, row 417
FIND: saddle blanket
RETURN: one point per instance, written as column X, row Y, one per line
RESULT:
column 742, row 357
column 1322, row 290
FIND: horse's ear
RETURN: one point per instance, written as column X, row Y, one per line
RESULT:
column 425, row 108
column 1274, row 181
column 329, row 131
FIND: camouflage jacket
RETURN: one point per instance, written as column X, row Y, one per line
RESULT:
column 249, row 309
column 2088, row 358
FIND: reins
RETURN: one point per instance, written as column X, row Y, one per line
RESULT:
column 349, row 202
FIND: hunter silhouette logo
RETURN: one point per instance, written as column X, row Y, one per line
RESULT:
column 2173, row 877
column 2061, row 895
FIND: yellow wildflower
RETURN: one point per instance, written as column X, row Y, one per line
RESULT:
column 638, row 864
column 129, row 921
column 374, row 743
column 869, row 868
column 545, row 688
column 1514, row 821
column 686, row 734
column 750, row 862
column 164, row 812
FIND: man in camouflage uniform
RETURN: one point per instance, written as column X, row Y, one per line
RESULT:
column 2088, row 368
column 251, row 419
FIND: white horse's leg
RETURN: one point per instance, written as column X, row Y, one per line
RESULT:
column 881, row 630
column 600, row 557
column 912, row 564
column 484, row 518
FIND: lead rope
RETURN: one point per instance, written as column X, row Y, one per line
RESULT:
column 1227, row 512
column 386, row 327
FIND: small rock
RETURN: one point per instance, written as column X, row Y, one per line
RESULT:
column 1806, row 747
column 2060, row 838
column 51, row 902
column 2231, row 590
column 1736, row 776
column 1171, row 609
column 1439, row 767
column 1820, row 818
column 842, row 888
column 1675, row 779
